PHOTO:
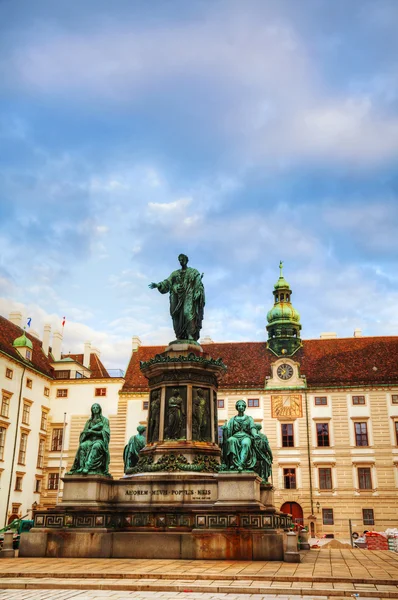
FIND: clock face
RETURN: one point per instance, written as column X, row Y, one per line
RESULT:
column 286, row 406
column 285, row 371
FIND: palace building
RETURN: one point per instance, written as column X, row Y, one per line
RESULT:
column 329, row 407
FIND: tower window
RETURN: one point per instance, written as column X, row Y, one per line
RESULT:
column 282, row 297
column 287, row 297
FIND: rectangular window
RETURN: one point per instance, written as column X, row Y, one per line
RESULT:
column 2, row 441
column 40, row 454
column 22, row 448
column 53, row 479
column 394, row 398
column 47, row 391
column 29, row 383
column 100, row 391
column 321, row 400
column 220, row 403
column 43, row 422
column 368, row 516
column 26, row 414
column 29, row 354
column 145, row 404
column 37, row 486
column 396, row 432
column 289, row 479
column 56, row 440
column 325, row 478
column 9, row 373
column 253, row 403
column 5, row 406
column 62, row 374
column 327, row 516
column 364, row 478
column 62, row 393
column 361, row 434
column 322, row 434
column 287, row 435
column 18, row 483
column 358, row 399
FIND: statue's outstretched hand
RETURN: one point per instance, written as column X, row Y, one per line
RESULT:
column 153, row 285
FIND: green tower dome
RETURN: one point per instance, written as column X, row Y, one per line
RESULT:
column 22, row 342
column 283, row 320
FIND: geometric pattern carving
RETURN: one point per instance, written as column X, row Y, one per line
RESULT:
column 155, row 520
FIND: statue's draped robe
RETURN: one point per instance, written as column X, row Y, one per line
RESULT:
column 131, row 451
column 187, row 301
column 264, row 454
column 238, row 432
column 175, row 421
column 93, row 452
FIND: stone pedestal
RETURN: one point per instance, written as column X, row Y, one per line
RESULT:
column 175, row 503
column 8, row 551
column 292, row 554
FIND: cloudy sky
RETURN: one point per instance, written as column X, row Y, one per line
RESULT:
column 238, row 132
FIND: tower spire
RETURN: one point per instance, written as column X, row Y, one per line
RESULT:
column 283, row 320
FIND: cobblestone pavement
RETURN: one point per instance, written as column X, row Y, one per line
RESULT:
column 100, row 595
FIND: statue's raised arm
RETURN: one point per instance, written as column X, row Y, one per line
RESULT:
column 187, row 300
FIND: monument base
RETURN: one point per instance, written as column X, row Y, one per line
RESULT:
column 163, row 515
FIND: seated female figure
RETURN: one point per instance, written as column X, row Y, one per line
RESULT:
column 92, row 456
column 238, row 446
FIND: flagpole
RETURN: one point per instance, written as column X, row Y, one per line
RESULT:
column 60, row 458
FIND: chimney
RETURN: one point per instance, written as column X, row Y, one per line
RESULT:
column 86, row 356
column 16, row 318
column 207, row 340
column 328, row 335
column 357, row 332
column 57, row 343
column 136, row 343
column 46, row 338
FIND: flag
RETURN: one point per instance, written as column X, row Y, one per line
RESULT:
column 63, row 322
column 28, row 321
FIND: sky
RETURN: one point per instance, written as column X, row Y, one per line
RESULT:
column 239, row 132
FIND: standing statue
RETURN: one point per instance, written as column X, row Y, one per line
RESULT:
column 187, row 300
column 154, row 416
column 264, row 455
column 239, row 437
column 174, row 429
column 131, row 451
column 200, row 415
column 92, row 456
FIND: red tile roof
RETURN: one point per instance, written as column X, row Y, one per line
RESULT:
column 324, row 362
column 98, row 370
column 8, row 333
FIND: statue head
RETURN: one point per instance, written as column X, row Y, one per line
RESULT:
column 240, row 406
column 155, row 394
column 96, row 410
column 183, row 259
column 141, row 429
column 200, row 392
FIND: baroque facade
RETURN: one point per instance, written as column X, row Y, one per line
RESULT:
column 329, row 407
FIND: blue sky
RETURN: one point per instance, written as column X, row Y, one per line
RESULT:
column 237, row 132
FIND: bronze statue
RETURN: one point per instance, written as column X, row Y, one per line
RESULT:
column 92, row 456
column 264, row 455
column 239, row 435
column 154, row 416
column 200, row 415
column 187, row 300
column 131, row 451
column 175, row 417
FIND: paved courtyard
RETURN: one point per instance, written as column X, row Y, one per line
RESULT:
column 321, row 573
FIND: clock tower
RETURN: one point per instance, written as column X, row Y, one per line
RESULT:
column 283, row 320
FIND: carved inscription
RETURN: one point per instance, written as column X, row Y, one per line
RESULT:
column 193, row 494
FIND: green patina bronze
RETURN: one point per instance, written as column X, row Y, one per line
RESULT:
column 243, row 448
column 176, row 462
column 92, row 456
column 193, row 358
column 187, row 300
column 131, row 451
column 283, row 320
column 201, row 420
